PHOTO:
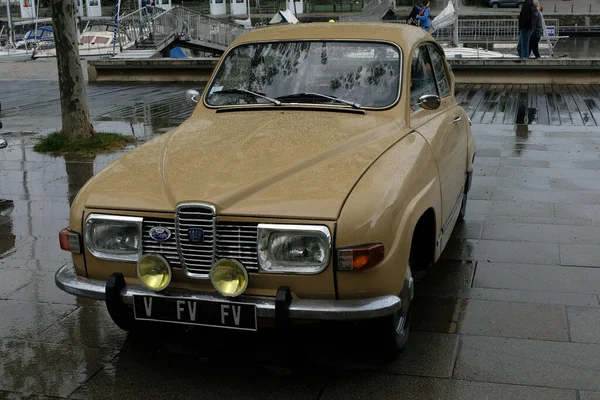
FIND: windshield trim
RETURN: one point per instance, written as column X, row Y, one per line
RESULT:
column 310, row 105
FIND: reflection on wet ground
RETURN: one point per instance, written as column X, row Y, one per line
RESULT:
column 510, row 312
column 531, row 104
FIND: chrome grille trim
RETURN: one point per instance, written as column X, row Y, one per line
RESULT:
column 167, row 248
column 196, row 258
column 236, row 241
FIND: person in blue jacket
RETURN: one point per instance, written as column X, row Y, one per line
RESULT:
column 423, row 17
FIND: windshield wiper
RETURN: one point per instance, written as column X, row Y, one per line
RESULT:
column 310, row 94
column 262, row 96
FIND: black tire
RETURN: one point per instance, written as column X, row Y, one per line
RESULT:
column 519, row 5
column 495, row 5
column 463, row 208
column 390, row 333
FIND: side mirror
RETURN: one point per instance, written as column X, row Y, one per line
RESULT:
column 192, row 96
column 429, row 102
column 3, row 143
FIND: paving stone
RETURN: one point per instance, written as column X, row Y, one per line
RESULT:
column 541, row 233
column 148, row 374
column 12, row 279
column 501, row 251
column 527, row 296
column 436, row 314
column 447, row 279
column 510, row 208
column 468, row 229
column 88, row 326
column 509, row 319
column 427, row 354
column 556, row 173
column 538, row 220
column 586, row 211
column 548, row 196
column 580, row 255
column 584, row 324
column 542, row 278
column 367, row 386
column 479, row 192
column 22, row 320
column 511, row 182
column 529, row 362
column 41, row 287
column 550, row 155
column 19, row 396
column 48, row 369
column 584, row 395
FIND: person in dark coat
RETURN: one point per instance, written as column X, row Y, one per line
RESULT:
column 538, row 29
column 525, row 28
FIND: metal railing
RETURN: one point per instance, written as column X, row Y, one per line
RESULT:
column 373, row 11
column 477, row 30
column 137, row 25
column 158, row 29
column 197, row 26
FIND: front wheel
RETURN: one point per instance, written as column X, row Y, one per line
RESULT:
column 495, row 5
column 463, row 208
column 390, row 333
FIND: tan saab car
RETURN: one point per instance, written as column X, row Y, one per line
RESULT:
column 323, row 167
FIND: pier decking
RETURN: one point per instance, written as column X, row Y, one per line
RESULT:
column 532, row 104
column 164, row 104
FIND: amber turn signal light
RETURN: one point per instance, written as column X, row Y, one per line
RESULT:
column 360, row 257
column 69, row 241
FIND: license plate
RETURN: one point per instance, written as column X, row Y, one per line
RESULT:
column 191, row 312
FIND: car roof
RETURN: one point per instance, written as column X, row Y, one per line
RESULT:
column 403, row 35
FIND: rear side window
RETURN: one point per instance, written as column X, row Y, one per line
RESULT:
column 441, row 76
column 422, row 80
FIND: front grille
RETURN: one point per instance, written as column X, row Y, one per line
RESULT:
column 234, row 240
column 167, row 248
column 238, row 241
column 196, row 258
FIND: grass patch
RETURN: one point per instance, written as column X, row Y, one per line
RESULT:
column 57, row 143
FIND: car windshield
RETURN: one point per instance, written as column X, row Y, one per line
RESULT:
column 356, row 73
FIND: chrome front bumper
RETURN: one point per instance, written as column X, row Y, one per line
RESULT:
column 338, row 310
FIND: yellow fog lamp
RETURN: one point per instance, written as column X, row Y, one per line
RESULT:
column 154, row 272
column 229, row 277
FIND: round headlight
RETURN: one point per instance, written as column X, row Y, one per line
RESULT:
column 154, row 272
column 229, row 277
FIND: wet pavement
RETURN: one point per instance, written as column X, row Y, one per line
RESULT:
column 512, row 311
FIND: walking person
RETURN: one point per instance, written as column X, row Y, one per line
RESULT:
column 525, row 28
column 538, row 29
column 423, row 17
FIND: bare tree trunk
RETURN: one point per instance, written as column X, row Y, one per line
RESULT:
column 73, row 102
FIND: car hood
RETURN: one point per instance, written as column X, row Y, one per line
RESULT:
column 284, row 163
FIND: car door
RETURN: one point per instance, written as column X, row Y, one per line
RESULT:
column 442, row 128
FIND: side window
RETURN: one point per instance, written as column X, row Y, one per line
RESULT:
column 422, row 80
column 440, row 72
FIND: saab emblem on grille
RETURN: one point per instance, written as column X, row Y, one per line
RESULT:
column 160, row 233
column 196, row 235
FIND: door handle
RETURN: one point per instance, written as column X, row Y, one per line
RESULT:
column 457, row 119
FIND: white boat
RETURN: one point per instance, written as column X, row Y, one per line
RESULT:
column 11, row 54
column 462, row 52
column 97, row 41
column 40, row 38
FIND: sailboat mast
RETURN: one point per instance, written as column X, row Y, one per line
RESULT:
column 10, row 25
column 455, row 30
